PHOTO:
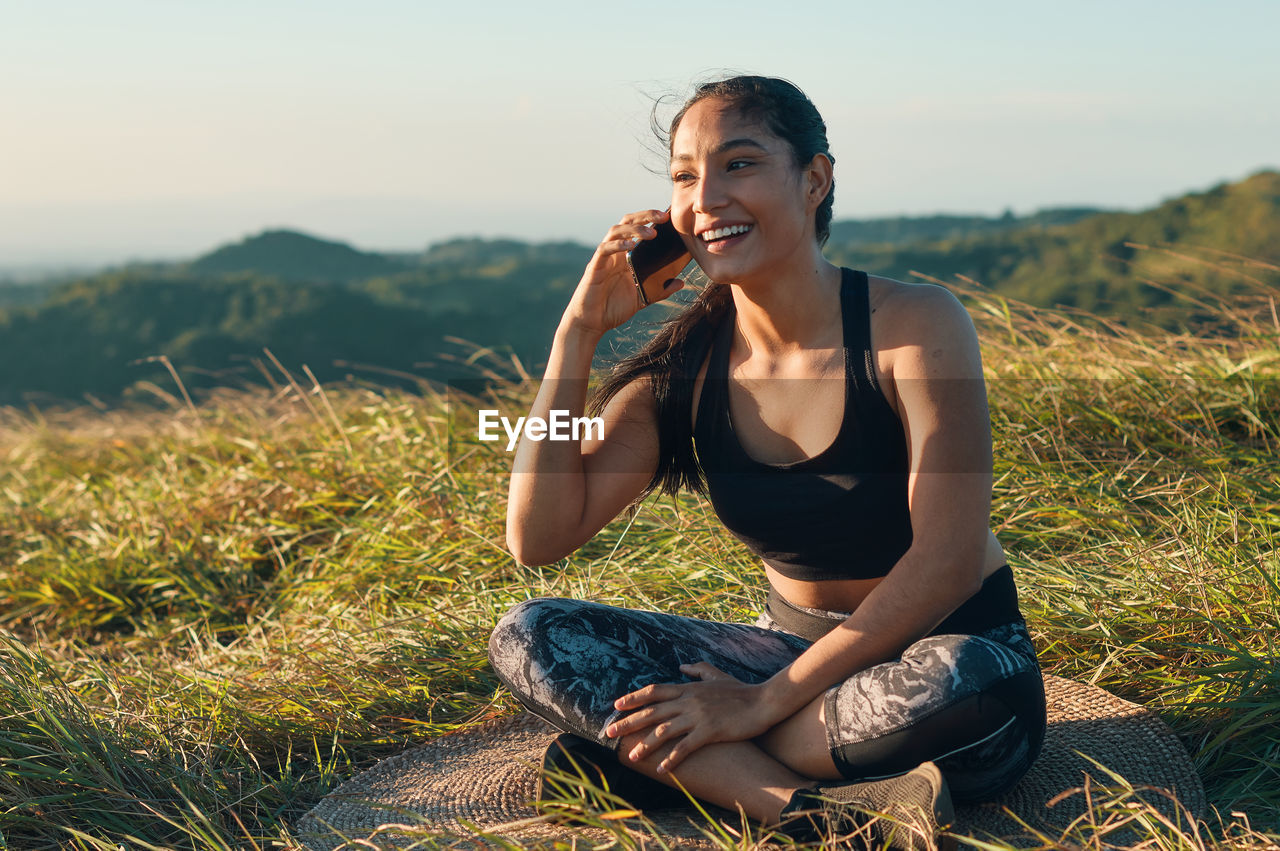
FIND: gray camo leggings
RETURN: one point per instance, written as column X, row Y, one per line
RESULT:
column 974, row 704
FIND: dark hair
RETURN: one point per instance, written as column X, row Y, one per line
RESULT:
column 674, row 355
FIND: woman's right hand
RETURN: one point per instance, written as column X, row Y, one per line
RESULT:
column 606, row 296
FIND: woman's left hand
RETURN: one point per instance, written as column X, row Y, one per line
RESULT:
column 716, row 708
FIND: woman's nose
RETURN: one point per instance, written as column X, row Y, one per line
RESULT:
column 708, row 195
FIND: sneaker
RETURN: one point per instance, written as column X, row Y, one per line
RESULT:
column 904, row 812
column 576, row 766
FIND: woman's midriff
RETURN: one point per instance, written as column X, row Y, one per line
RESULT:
column 845, row 595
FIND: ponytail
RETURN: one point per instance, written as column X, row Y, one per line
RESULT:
column 672, row 360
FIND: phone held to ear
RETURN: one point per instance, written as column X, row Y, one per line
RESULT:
column 655, row 261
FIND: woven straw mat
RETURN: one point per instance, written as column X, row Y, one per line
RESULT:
column 485, row 776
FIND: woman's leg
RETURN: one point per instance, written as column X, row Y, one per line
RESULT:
column 974, row 705
column 568, row 660
column 969, row 703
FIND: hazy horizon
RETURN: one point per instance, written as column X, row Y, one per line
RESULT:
column 67, row 261
column 152, row 131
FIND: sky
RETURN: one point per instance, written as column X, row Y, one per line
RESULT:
column 158, row 130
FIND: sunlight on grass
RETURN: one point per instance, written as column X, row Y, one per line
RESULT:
column 211, row 616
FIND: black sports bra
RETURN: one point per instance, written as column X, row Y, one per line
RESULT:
column 841, row 514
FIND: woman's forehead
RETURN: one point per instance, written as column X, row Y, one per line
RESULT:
column 710, row 125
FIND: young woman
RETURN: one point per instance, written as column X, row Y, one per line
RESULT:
column 838, row 423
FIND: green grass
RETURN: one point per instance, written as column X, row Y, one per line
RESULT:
column 212, row 614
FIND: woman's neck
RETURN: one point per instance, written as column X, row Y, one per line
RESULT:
column 783, row 315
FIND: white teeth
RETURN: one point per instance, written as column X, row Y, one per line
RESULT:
column 721, row 233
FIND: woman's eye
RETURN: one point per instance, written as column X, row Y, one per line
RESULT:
column 681, row 177
column 737, row 165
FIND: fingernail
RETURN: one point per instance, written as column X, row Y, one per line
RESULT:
column 662, row 769
column 610, row 732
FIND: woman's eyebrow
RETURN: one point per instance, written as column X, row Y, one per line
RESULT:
column 724, row 146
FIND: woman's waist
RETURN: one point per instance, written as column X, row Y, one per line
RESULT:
column 843, row 591
column 994, row 604
column 829, row 595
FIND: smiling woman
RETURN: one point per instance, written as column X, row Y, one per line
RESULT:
column 747, row 196
column 838, row 424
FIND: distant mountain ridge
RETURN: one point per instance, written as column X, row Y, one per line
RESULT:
column 1093, row 263
column 293, row 256
column 899, row 230
column 328, row 305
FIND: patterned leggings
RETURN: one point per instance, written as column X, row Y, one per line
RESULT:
column 974, row 704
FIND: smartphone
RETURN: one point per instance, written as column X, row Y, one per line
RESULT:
column 655, row 261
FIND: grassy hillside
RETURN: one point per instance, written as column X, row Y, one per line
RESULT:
column 211, row 615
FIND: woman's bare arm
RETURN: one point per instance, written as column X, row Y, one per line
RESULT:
column 563, row 492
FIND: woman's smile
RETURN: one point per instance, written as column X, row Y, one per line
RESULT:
column 720, row 239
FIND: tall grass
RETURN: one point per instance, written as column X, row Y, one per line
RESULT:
column 211, row 615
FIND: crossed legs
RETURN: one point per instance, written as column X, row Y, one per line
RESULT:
column 967, row 702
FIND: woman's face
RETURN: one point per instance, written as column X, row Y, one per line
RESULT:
column 743, row 207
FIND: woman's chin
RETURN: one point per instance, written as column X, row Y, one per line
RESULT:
column 723, row 270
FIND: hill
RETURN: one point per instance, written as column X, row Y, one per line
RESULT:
column 292, row 256
column 101, row 336
column 901, row 230
column 327, row 304
column 477, row 253
column 1115, row 264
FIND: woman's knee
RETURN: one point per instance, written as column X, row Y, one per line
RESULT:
column 556, row 658
column 520, row 632
column 969, row 661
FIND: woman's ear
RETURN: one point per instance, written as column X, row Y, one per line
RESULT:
column 820, row 175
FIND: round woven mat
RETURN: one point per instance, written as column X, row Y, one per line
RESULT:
column 485, row 777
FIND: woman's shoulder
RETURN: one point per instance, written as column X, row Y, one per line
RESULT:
column 919, row 330
column 907, row 314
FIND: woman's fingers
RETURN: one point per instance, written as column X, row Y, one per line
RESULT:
column 680, row 750
column 617, row 245
column 640, row 719
column 606, row 296
column 633, row 228
column 660, row 733
column 705, row 671
column 648, row 694
column 643, row 217
column 626, row 237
